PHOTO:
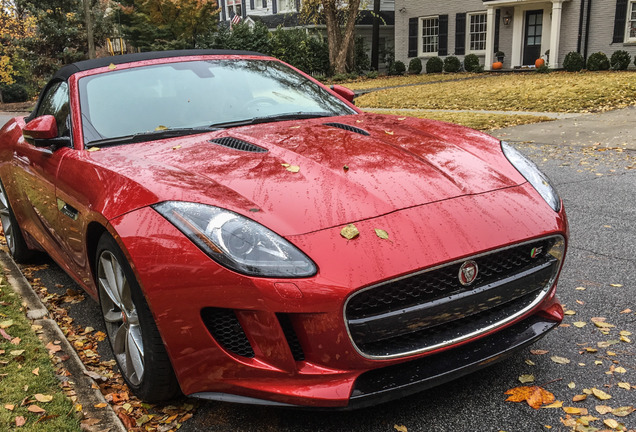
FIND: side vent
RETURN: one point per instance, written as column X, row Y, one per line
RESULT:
column 226, row 329
column 237, row 144
column 290, row 335
column 348, row 128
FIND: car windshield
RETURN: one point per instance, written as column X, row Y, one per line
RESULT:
column 190, row 96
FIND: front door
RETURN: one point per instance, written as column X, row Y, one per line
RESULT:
column 533, row 36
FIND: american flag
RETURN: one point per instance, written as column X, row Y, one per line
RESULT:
column 235, row 20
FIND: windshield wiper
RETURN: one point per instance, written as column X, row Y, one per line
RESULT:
column 156, row 134
column 274, row 118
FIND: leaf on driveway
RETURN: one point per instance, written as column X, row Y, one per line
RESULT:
column 560, row 360
column 538, row 352
column 611, row 423
column 350, row 232
column 600, row 394
column 400, row 428
column 579, row 398
column 625, row 385
column 524, row 379
column 603, row 324
column 535, row 396
column 623, row 411
column 557, row 404
column 575, row 410
column 603, row 409
column 579, row 324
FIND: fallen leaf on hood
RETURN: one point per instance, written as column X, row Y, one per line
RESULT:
column 382, row 234
column 291, row 168
column 161, row 127
column 350, row 232
column 177, row 147
column 112, row 66
column 535, row 396
column 401, row 118
column 388, row 132
column 346, row 167
column 93, row 149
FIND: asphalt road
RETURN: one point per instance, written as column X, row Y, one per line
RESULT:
column 595, row 173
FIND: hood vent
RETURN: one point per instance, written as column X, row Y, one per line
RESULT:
column 348, row 128
column 237, row 144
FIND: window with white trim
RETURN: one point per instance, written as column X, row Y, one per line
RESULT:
column 429, row 29
column 286, row 5
column 476, row 32
column 630, row 34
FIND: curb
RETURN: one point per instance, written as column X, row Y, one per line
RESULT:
column 86, row 389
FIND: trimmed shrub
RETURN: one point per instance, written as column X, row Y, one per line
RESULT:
column 434, row 65
column 471, row 63
column 573, row 62
column 14, row 93
column 543, row 69
column 372, row 74
column 598, row 61
column 399, row 68
column 415, row 66
column 361, row 60
column 452, row 64
column 620, row 60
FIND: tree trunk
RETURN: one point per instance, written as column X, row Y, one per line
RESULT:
column 339, row 38
column 89, row 29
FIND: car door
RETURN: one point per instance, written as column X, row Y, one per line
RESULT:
column 34, row 171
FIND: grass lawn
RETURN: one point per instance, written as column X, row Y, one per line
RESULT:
column 30, row 393
column 553, row 92
column 479, row 121
column 365, row 84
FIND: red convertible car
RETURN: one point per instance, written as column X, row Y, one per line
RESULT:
column 253, row 237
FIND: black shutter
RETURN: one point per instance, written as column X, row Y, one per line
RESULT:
column 243, row 9
column 298, row 5
column 619, row 21
column 442, row 49
column 251, row 4
column 413, row 37
column 460, row 34
column 223, row 10
column 264, row 3
column 497, row 20
column 274, row 6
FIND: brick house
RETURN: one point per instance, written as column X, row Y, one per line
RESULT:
column 523, row 29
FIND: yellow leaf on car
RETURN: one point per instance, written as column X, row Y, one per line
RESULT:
column 382, row 234
column 350, row 232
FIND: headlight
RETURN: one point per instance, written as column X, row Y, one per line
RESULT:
column 536, row 178
column 237, row 242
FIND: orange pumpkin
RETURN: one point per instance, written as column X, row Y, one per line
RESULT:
column 497, row 65
column 539, row 62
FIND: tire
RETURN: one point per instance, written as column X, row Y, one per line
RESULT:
column 12, row 231
column 132, row 332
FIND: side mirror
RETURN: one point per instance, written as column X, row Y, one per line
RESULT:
column 344, row 92
column 42, row 132
column 40, row 128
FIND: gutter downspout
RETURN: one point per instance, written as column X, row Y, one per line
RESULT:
column 587, row 28
column 581, row 13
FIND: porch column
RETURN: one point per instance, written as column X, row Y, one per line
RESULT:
column 555, row 33
column 490, row 37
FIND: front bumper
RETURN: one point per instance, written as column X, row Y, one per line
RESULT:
column 181, row 288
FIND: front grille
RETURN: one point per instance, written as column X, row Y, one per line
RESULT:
column 427, row 310
column 348, row 128
column 226, row 329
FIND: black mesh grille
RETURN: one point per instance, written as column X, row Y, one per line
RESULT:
column 227, row 330
column 348, row 128
column 442, row 282
column 238, row 144
column 290, row 335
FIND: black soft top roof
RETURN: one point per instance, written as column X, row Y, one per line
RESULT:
column 66, row 71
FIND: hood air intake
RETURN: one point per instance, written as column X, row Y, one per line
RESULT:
column 348, row 128
column 237, row 144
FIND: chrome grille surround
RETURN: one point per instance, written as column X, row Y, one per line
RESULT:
column 503, row 313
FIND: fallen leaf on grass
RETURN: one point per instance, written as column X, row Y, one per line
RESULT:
column 6, row 324
column 20, row 421
column 350, row 232
column 535, row 396
column 600, row 394
column 9, row 407
column 560, row 360
column 46, row 417
column 36, row 409
column 36, row 371
column 16, row 352
column 43, row 398
column 52, row 348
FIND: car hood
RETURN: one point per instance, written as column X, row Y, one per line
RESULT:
column 305, row 176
